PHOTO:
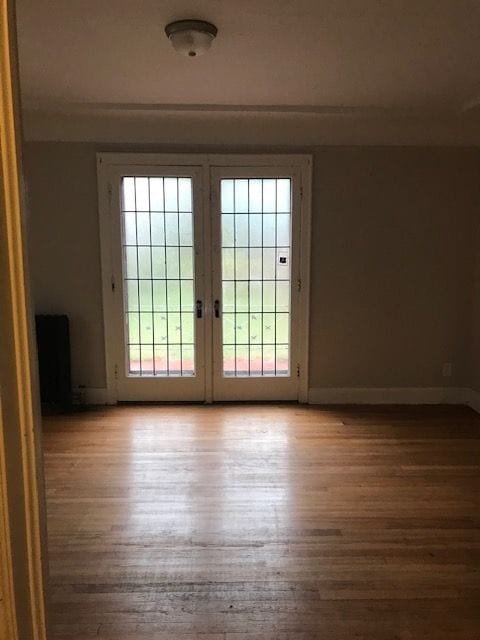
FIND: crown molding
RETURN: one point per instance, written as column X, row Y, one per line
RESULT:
column 342, row 111
column 248, row 126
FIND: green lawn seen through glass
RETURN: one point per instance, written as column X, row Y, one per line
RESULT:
column 158, row 265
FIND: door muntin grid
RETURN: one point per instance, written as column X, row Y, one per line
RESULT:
column 256, row 276
column 158, row 276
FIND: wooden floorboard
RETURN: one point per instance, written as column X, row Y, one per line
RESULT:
column 252, row 522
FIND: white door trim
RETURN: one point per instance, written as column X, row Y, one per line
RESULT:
column 107, row 161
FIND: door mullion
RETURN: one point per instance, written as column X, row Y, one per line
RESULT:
column 208, row 249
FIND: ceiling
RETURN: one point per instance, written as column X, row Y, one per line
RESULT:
column 310, row 55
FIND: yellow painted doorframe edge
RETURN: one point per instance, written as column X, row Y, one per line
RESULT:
column 8, row 624
column 22, row 369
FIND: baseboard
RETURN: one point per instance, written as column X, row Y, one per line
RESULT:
column 391, row 395
column 343, row 395
column 92, row 395
column 473, row 400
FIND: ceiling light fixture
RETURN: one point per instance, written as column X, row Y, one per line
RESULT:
column 191, row 38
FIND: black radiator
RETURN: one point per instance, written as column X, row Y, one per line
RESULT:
column 53, row 344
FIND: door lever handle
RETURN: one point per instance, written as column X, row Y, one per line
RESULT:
column 216, row 308
column 199, row 308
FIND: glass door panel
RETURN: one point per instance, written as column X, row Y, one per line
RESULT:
column 256, row 239
column 158, row 267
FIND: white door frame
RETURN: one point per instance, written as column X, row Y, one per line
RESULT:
column 108, row 164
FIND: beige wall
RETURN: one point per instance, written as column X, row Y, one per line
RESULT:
column 392, row 267
column 65, row 248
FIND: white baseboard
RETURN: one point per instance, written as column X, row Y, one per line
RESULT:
column 92, row 395
column 390, row 395
column 473, row 400
column 345, row 395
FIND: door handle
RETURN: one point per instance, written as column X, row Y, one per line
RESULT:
column 216, row 308
column 199, row 308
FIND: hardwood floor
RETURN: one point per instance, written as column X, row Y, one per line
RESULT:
column 264, row 523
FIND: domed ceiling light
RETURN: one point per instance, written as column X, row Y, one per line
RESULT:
column 191, row 38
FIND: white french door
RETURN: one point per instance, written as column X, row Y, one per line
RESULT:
column 157, row 267
column 202, row 270
column 255, row 282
